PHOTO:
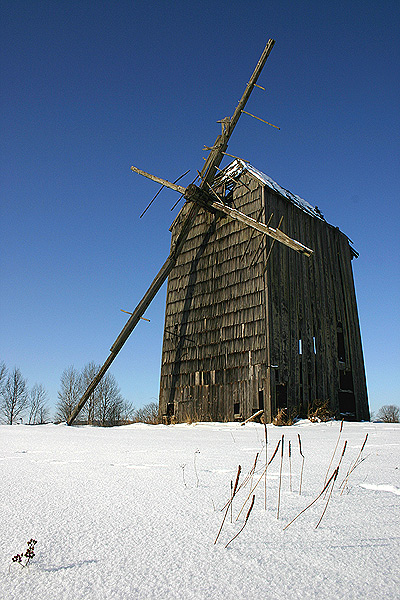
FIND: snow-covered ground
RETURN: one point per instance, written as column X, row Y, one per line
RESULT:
column 133, row 512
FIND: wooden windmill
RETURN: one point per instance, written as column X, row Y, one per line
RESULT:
column 206, row 198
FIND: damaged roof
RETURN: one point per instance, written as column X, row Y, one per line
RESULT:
column 235, row 169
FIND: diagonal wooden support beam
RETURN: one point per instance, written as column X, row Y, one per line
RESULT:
column 208, row 173
column 274, row 233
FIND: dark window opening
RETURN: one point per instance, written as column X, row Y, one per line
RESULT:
column 236, row 408
column 346, row 381
column 261, row 400
column 281, row 395
column 170, row 409
column 347, row 405
column 340, row 343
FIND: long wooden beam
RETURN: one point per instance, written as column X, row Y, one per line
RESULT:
column 274, row 233
column 233, row 213
column 208, row 172
column 164, row 182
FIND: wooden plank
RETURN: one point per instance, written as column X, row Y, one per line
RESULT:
column 164, row 182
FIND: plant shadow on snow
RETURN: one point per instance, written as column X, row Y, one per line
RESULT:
column 71, row 566
column 368, row 543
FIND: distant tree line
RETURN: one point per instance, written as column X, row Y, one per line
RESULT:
column 105, row 407
column 18, row 402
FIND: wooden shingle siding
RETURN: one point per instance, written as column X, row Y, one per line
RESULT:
column 227, row 321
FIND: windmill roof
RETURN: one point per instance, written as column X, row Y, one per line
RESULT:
column 235, row 169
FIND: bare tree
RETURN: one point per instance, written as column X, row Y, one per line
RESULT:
column 69, row 393
column 127, row 413
column 14, row 395
column 38, row 409
column 88, row 374
column 105, row 406
column 3, row 374
column 389, row 413
column 147, row 414
column 109, row 401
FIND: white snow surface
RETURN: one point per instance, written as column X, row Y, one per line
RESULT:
column 133, row 512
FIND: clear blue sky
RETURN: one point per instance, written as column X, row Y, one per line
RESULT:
column 89, row 88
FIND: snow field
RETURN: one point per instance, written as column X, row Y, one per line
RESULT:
column 118, row 514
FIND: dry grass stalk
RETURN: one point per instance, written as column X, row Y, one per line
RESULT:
column 333, row 476
column 247, row 478
column 353, row 466
column 253, row 470
column 311, row 503
column 334, row 452
column 266, row 463
column 290, row 466
column 230, row 502
column 259, row 479
column 302, row 463
column 280, row 478
column 245, row 522
column 195, row 467
column 335, row 473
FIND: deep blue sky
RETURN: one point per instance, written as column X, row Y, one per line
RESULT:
column 89, row 88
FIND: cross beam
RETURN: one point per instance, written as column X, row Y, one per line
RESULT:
column 195, row 194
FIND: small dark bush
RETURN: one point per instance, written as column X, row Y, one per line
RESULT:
column 283, row 418
column 319, row 411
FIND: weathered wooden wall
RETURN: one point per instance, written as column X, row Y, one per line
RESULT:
column 227, row 321
column 312, row 316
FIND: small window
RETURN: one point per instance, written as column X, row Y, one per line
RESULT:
column 314, row 345
column 300, row 347
column 170, row 409
column 236, row 408
column 260, row 399
column 281, row 395
column 346, row 381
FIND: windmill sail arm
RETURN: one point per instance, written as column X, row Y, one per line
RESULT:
column 164, row 182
